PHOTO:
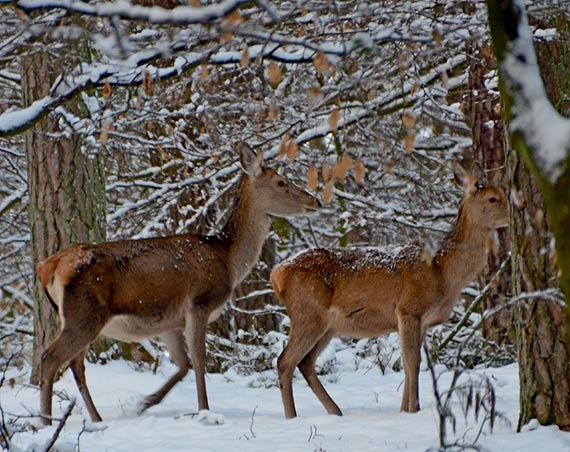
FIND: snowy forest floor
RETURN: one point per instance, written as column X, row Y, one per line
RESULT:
column 247, row 413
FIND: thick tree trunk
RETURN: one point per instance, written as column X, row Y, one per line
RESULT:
column 66, row 187
column 544, row 356
column 485, row 117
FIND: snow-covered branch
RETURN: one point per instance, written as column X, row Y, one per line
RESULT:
column 183, row 15
column 546, row 132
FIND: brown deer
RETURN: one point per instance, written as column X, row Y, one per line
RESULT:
column 364, row 292
column 170, row 287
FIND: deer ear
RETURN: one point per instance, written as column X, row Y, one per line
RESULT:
column 479, row 173
column 251, row 162
column 462, row 177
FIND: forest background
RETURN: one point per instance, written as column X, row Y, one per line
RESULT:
column 123, row 120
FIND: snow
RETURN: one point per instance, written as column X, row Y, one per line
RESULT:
column 12, row 119
column 248, row 416
column 546, row 132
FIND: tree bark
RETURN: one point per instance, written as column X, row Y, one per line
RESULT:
column 484, row 115
column 539, row 213
column 65, row 185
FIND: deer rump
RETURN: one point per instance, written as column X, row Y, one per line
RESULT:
column 141, row 286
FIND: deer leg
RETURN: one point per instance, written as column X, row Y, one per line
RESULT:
column 307, row 368
column 77, row 365
column 174, row 341
column 196, row 324
column 409, row 329
column 72, row 340
column 297, row 348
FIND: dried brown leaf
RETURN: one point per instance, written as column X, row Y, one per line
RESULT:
column 284, row 146
column 333, row 120
column 244, row 61
column 314, row 96
column 107, row 90
column 204, row 72
column 359, row 172
column 312, row 178
column 328, row 192
column 320, row 61
column 325, row 172
column 292, row 149
column 147, row 83
column 274, row 75
column 409, row 119
column 273, row 113
column 409, row 142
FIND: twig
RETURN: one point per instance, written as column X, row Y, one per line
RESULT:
column 475, row 304
column 251, row 425
column 60, row 425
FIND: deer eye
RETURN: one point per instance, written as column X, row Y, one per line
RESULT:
column 492, row 200
column 281, row 183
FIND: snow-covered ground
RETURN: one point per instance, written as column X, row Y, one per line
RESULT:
column 250, row 414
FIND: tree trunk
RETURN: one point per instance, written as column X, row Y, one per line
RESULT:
column 544, row 356
column 484, row 115
column 65, row 186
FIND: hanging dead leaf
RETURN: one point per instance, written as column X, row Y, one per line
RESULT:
column 273, row 113
column 228, row 36
column 196, row 3
column 314, row 96
column 436, row 36
column 333, row 120
column 409, row 118
column 389, row 167
column 301, row 31
column 320, row 61
column 235, row 18
column 107, row 90
column 284, row 146
column 312, row 178
column 204, row 72
column 106, row 126
column 409, row 142
column 359, row 172
column 346, row 162
column 274, row 75
column 325, row 172
column 147, row 83
column 328, row 192
column 415, row 88
column 292, row 149
column 244, row 61
column 341, row 167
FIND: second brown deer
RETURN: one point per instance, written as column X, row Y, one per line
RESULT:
column 364, row 292
column 170, row 287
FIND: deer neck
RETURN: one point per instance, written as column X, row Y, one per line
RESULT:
column 244, row 233
column 463, row 255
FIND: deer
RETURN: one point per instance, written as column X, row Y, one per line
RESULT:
column 365, row 292
column 169, row 287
